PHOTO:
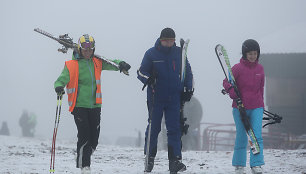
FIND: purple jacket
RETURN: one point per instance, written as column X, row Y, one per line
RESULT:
column 250, row 79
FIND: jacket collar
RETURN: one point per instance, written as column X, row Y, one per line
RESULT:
column 161, row 48
column 248, row 63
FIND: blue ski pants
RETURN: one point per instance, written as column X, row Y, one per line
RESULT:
column 171, row 110
column 241, row 142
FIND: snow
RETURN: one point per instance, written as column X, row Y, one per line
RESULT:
column 32, row 155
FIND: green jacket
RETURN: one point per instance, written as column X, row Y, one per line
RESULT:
column 86, row 96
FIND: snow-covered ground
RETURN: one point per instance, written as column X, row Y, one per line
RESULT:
column 28, row 155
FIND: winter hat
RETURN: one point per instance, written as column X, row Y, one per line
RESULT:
column 167, row 33
column 250, row 45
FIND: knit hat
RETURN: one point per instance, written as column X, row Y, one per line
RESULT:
column 167, row 33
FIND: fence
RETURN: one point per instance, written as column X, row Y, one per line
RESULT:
column 222, row 137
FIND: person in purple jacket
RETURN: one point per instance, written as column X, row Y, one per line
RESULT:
column 250, row 79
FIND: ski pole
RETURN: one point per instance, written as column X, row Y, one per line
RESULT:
column 270, row 116
column 56, row 122
column 149, row 134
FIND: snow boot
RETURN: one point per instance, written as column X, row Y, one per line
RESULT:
column 256, row 170
column 240, row 170
column 150, row 164
column 85, row 170
column 176, row 166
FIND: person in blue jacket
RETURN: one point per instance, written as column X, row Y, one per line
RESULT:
column 160, row 71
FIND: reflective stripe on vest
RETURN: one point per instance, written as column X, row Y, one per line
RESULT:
column 72, row 86
column 70, row 90
column 98, row 70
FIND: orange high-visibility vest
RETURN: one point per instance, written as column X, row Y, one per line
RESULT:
column 72, row 86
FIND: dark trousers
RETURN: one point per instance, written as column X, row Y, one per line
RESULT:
column 171, row 111
column 88, row 124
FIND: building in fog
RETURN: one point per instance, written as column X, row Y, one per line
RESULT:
column 285, row 90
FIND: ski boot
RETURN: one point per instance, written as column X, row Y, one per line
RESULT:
column 240, row 170
column 85, row 170
column 150, row 164
column 176, row 166
column 256, row 170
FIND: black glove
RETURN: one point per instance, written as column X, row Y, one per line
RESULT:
column 151, row 81
column 186, row 96
column 123, row 66
column 60, row 90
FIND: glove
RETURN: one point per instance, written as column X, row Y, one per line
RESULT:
column 227, row 86
column 151, row 81
column 229, row 89
column 186, row 96
column 123, row 66
column 60, row 90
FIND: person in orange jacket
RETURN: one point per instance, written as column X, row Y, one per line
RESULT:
column 82, row 78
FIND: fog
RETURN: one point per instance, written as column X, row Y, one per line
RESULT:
column 124, row 30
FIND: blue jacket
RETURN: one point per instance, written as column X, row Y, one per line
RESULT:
column 165, row 64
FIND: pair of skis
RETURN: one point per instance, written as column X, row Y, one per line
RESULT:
column 67, row 43
column 183, row 119
column 224, row 62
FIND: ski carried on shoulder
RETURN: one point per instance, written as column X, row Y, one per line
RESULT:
column 67, row 43
column 225, row 63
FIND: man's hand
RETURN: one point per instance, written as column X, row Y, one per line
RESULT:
column 186, row 95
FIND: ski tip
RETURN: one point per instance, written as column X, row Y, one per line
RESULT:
column 218, row 47
column 182, row 42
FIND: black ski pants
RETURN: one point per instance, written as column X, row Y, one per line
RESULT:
column 88, row 124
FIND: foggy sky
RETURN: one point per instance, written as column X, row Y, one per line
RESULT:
column 125, row 30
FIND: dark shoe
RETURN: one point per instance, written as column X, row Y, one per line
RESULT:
column 150, row 165
column 176, row 166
